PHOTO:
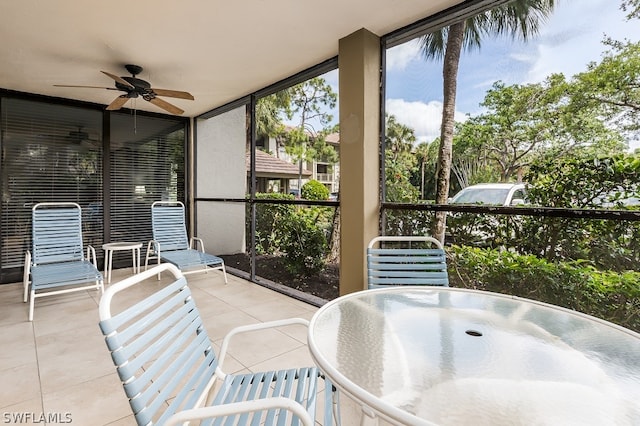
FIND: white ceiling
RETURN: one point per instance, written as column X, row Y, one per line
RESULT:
column 216, row 50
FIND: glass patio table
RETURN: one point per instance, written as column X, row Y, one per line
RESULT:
column 445, row 356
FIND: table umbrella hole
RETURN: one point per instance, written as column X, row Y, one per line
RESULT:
column 473, row 333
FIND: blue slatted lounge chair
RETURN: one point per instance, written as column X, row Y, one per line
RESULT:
column 393, row 261
column 167, row 365
column 171, row 244
column 57, row 263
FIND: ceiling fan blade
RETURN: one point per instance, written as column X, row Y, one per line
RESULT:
column 118, row 79
column 166, row 106
column 117, row 103
column 87, row 87
column 173, row 93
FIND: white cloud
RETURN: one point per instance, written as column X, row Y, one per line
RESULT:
column 400, row 56
column 567, row 44
column 423, row 118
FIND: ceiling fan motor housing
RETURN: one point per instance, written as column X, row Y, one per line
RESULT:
column 133, row 69
column 140, row 87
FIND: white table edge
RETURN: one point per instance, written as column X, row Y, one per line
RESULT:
column 383, row 409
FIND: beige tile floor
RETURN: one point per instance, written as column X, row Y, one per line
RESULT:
column 58, row 365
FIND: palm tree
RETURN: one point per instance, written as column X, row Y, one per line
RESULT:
column 400, row 138
column 422, row 152
column 518, row 18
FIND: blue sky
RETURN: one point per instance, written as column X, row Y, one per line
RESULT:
column 567, row 42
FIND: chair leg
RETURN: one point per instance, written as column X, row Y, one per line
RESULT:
column 224, row 272
column 146, row 261
column 26, row 291
column 336, row 408
column 147, row 256
column 33, row 297
column 25, row 276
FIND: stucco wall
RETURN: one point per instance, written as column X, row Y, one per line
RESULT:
column 220, row 173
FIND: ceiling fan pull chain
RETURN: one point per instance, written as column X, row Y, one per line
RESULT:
column 135, row 116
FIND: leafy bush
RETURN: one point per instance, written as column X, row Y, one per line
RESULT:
column 583, row 183
column 305, row 243
column 576, row 285
column 270, row 232
column 299, row 234
column 482, row 230
column 571, row 183
column 314, row 190
column 407, row 222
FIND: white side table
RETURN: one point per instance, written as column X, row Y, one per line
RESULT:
column 109, row 248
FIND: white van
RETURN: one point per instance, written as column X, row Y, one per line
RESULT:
column 500, row 194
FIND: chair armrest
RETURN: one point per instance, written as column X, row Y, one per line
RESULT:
column 197, row 243
column 153, row 245
column 242, row 407
column 252, row 327
column 91, row 255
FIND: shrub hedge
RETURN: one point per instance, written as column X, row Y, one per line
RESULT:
column 298, row 233
column 314, row 190
column 610, row 295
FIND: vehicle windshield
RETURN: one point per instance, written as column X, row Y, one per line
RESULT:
column 482, row 195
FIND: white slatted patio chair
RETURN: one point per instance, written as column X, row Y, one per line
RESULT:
column 168, row 366
column 57, row 262
column 391, row 260
column 171, row 244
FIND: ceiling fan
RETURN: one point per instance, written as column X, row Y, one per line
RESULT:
column 135, row 87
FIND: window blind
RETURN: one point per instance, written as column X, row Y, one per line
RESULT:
column 146, row 159
column 53, row 153
column 50, row 153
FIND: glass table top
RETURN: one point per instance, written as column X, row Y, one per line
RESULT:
column 453, row 356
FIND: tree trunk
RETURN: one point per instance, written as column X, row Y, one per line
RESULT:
column 333, row 255
column 422, row 180
column 450, row 75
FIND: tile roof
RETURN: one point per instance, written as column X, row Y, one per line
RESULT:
column 269, row 166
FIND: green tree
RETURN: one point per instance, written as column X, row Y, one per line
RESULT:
column 613, row 85
column 632, row 7
column 426, row 157
column 525, row 122
column 470, row 164
column 517, row 18
column 310, row 102
column 400, row 162
column 270, row 111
